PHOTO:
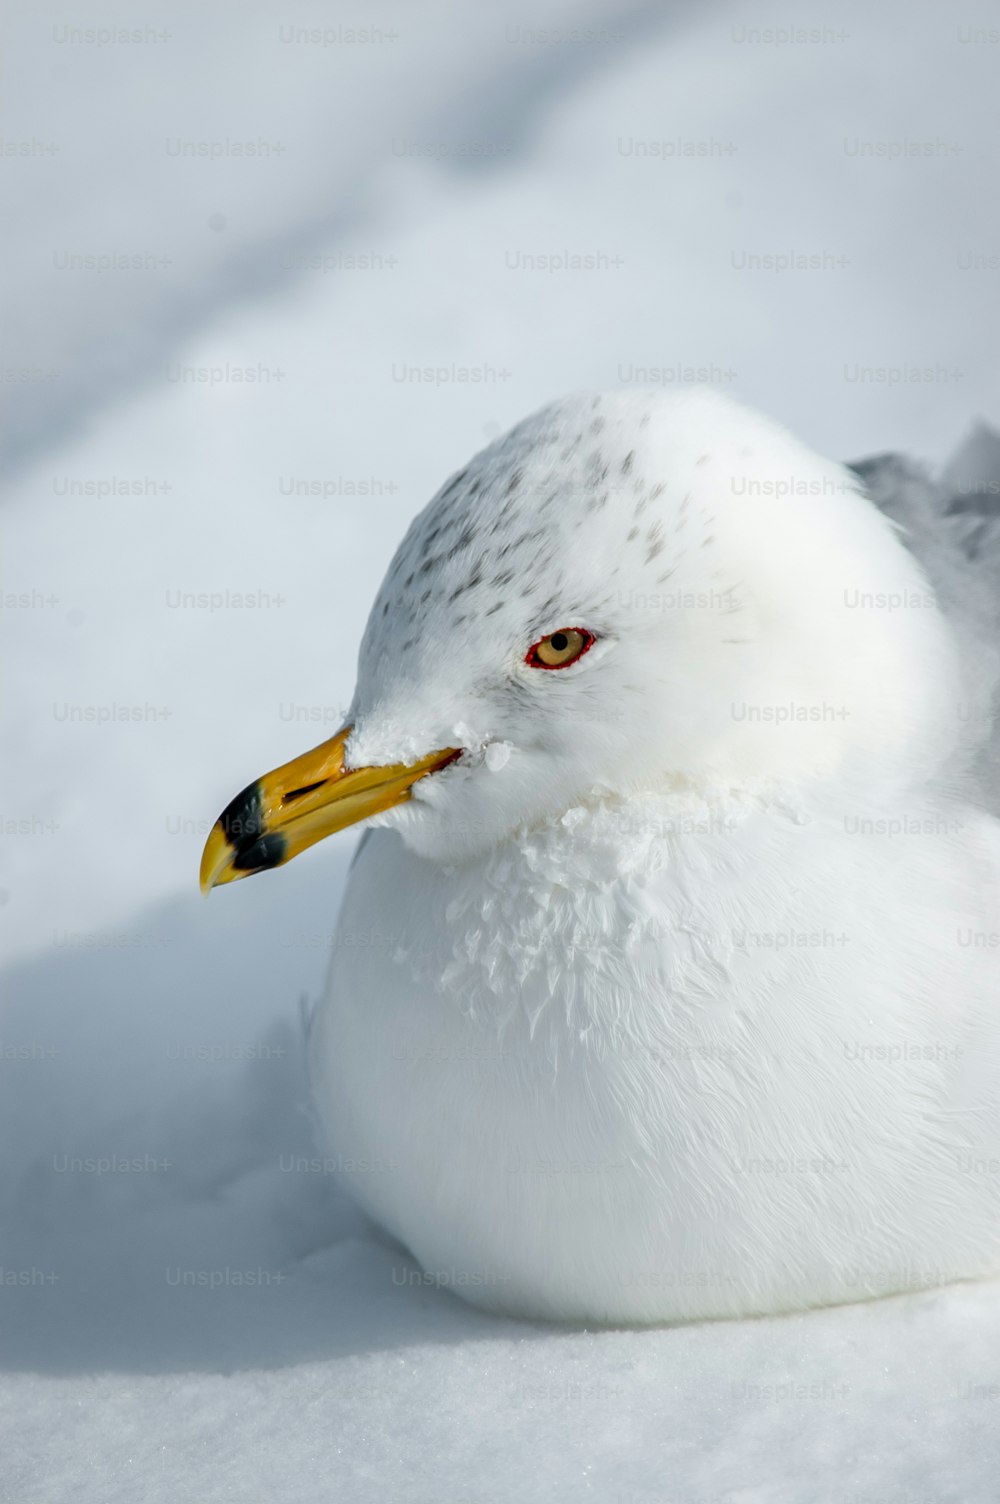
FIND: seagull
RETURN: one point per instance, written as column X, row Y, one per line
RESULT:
column 680, row 992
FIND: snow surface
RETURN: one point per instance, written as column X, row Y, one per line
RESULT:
column 140, row 1025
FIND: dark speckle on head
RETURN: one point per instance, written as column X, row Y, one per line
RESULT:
column 469, row 584
column 597, row 468
column 535, row 526
column 538, row 535
column 463, row 540
column 454, row 483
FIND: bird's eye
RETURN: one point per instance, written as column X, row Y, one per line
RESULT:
column 561, row 648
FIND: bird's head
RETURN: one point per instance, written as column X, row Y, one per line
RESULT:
column 626, row 593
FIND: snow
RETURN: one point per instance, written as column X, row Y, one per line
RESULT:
column 142, row 1027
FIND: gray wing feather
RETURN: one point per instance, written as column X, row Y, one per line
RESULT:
column 951, row 524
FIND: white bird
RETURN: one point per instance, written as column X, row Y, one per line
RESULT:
column 681, row 992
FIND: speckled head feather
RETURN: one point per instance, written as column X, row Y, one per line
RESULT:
column 723, row 569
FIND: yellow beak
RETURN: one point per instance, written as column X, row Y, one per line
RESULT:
column 298, row 804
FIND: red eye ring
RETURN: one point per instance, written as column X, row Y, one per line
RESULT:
column 586, row 641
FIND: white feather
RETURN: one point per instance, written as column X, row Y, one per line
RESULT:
column 691, row 1004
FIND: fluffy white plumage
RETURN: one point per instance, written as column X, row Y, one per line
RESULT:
column 684, row 1006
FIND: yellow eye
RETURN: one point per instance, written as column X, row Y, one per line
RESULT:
column 561, row 648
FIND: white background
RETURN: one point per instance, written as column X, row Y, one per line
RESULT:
column 138, row 1022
